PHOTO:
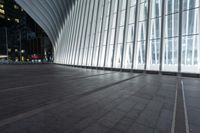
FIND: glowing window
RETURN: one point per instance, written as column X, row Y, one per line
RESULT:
column 17, row 20
column 2, row 11
column 1, row 6
column 16, row 7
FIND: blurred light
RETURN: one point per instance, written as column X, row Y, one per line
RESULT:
column 2, row 11
column 22, row 51
column 16, row 59
column 1, row 6
column 16, row 50
column 22, row 58
column 16, row 7
column 3, row 56
column 9, row 50
column 17, row 20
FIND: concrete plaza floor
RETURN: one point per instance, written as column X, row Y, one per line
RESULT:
column 52, row 98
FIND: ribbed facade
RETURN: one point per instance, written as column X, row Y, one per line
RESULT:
column 158, row 35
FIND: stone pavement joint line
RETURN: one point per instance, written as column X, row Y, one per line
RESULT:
column 180, row 120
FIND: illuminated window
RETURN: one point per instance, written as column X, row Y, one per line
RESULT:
column 171, row 32
column 22, row 51
column 190, row 52
column 1, row 6
column 8, row 19
column 17, row 20
column 2, row 11
column 139, row 60
column 16, row 7
column 153, row 51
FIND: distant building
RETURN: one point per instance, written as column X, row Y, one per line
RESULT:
column 20, row 36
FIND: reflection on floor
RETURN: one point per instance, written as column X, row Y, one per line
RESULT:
column 60, row 99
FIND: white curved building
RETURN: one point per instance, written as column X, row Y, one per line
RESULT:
column 154, row 35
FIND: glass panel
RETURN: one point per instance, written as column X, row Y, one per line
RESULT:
column 104, row 35
column 109, row 57
column 121, row 31
column 143, row 9
column 132, row 15
column 139, row 57
column 112, row 36
column 128, row 48
column 171, row 32
column 119, row 47
column 153, row 51
column 128, row 54
column 190, row 22
column 142, row 30
column 94, row 63
column 155, row 28
column 172, row 6
column 171, row 25
column 133, row 2
column 101, row 56
column 189, row 4
column 89, row 57
column 156, row 9
column 118, row 55
column 123, row 5
column 154, row 55
column 110, row 47
column 170, row 54
column 97, row 38
column 122, row 18
column 190, row 54
column 130, row 33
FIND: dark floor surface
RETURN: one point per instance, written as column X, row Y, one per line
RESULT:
column 59, row 99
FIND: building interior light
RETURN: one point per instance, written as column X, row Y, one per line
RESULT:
column 2, row 11
column 16, row 7
column 9, row 50
column 17, row 20
column 22, row 51
column 1, row 6
column 3, row 56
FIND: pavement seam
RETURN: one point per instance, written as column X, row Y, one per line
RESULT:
column 180, row 118
column 174, row 112
column 185, row 109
